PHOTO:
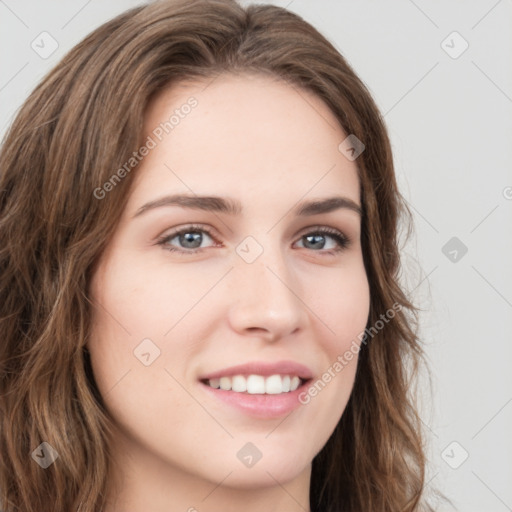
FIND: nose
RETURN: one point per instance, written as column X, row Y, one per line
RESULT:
column 266, row 298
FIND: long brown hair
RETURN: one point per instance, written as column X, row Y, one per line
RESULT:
column 76, row 128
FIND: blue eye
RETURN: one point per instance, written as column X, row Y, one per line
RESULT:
column 318, row 238
column 191, row 238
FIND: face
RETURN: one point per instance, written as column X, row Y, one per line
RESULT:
column 252, row 278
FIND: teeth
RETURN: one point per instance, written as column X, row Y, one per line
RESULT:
column 239, row 384
column 225, row 383
column 257, row 384
column 274, row 385
column 214, row 383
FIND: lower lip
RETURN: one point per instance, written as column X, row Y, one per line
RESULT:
column 260, row 406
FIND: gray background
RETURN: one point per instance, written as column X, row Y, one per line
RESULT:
column 450, row 122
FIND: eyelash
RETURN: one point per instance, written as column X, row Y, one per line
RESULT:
column 343, row 242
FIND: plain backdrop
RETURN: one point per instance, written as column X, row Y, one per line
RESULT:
column 441, row 74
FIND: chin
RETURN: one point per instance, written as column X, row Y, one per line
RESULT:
column 261, row 476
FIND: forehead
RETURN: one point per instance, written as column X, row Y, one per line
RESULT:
column 245, row 136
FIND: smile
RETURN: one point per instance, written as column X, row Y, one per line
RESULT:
column 256, row 384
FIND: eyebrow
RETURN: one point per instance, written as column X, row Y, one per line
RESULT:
column 233, row 207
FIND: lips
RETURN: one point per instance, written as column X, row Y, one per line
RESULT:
column 259, row 389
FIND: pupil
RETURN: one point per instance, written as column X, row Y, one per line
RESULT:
column 316, row 238
column 189, row 240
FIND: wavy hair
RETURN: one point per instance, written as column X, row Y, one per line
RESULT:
column 79, row 124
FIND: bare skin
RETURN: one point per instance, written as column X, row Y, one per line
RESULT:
column 262, row 143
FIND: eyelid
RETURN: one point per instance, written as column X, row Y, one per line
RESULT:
column 185, row 229
column 342, row 240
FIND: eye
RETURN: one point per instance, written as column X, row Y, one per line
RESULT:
column 316, row 240
column 189, row 240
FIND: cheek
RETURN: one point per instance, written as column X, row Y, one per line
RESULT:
column 145, row 313
column 343, row 308
column 143, row 299
column 132, row 364
column 343, row 304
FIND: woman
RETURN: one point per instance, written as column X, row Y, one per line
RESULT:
column 200, row 307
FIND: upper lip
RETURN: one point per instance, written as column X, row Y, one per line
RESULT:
column 263, row 368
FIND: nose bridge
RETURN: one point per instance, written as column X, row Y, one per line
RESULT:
column 266, row 292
